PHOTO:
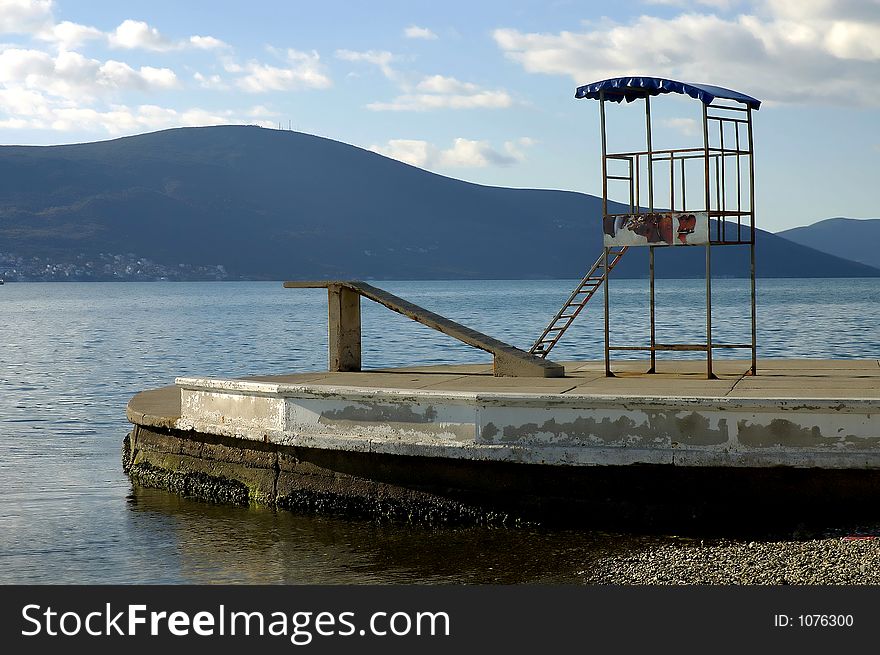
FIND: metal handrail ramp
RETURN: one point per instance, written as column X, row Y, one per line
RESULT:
column 344, row 325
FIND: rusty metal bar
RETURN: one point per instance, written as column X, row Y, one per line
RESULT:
column 738, row 188
column 752, row 247
column 679, row 153
column 729, row 107
column 665, row 151
column 651, row 300
column 608, row 372
column 681, row 347
column 706, row 160
column 638, row 192
column 605, row 213
column 631, row 197
column 650, row 154
column 649, row 142
column 709, row 374
column 717, row 199
column 604, row 152
column 723, row 223
column 683, row 197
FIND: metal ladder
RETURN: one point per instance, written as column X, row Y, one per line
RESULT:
column 577, row 301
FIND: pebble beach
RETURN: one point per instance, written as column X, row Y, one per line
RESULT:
column 831, row 560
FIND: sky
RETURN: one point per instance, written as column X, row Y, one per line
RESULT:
column 481, row 90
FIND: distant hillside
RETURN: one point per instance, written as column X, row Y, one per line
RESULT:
column 272, row 204
column 851, row 238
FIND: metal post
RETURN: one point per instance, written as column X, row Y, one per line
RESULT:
column 632, row 200
column 752, row 246
column 604, row 161
column 723, row 198
column 754, row 369
column 706, row 162
column 653, row 368
column 650, row 155
column 650, row 145
column 683, row 197
column 738, row 187
column 638, row 191
column 608, row 373
column 709, row 373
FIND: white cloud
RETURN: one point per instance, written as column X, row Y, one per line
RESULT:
column 441, row 84
column 440, row 92
column 260, row 111
column 410, row 151
column 137, row 34
column 787, row 51
column 303, row 71
column 24, row 16
column 514, row 148
column 207, row 43
column 415, row 32
column 716, row 4
column 24, row 109
column 214, row 82
column 464, row 153
column 61, row 89
column 851, row 40
column 74, row 77
column 36, row 17
column 431, row 92
column 69, row 35
column 426, row 102
column 132, row 34
column 380, row 58
column 686, row 126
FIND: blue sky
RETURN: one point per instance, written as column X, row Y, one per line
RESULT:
column 481, row 91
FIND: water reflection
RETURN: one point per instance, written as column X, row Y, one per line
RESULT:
column 210, row 544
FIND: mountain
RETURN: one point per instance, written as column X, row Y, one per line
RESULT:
column 273, row 204
column 851, row 238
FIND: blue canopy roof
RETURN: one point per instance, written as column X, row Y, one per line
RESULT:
column 631, row 88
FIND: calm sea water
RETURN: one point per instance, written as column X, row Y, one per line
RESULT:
column 71, row 356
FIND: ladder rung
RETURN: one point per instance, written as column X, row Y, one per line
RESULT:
column 578, row 300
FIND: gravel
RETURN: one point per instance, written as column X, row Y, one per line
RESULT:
column 830, row 560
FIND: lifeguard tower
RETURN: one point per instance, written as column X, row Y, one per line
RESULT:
column 711, row 203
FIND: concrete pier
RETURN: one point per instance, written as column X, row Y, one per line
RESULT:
column 456, row 442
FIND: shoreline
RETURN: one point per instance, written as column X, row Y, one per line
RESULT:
column 453, row 444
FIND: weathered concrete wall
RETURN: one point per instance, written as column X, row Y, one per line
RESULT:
column 226, row 470
column 401, row 449
column 540, row 429
column 442, row 490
